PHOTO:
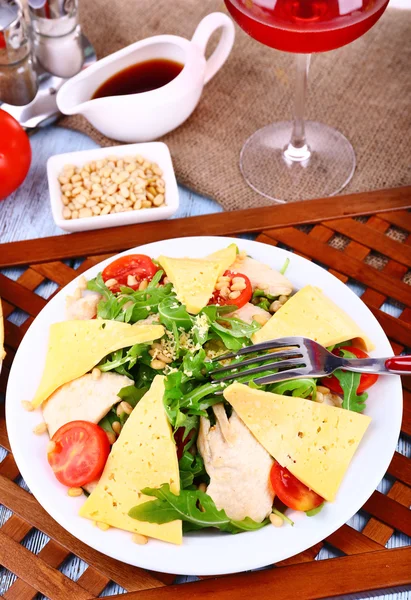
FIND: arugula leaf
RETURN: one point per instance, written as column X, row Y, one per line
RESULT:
column 349, row 382
column 314, row 511
column 186, row 506
column 107, row 421
column 123, row 359
column 301, row 388
column 97, row 285
column 283, row 516
column 132, row 394
column 190, row 468
column 171, row 312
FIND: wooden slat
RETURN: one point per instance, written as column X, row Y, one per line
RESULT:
column 4, row 440
column 54, row 556
column 390, row 512
column 39, row 574
column 244, row 221
column 400, row 468
column 367, row 236
column 16, row 528
column 25, row 505
column 406, row 414
column 302, row 557
column 56, row 271
column 400, row 218
column 309, row 581
column 395, row 328
column 21, row 297
column 381, row 532
column 8, row 467
column 339, row 261
column 93, row 581
column 350, row 541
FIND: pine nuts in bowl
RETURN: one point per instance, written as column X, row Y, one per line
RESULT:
column 108, row 187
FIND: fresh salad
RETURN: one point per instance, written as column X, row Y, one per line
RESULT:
column 155, row 444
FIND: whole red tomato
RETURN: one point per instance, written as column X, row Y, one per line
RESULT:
column 15, row 154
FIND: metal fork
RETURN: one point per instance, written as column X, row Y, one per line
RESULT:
column 298, row 357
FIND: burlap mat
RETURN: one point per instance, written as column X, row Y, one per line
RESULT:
column 363, row 90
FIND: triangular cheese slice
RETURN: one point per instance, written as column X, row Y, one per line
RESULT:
column 314, row 441
column 226, row 257
column 144, row 455
column 309, row 313
column 194, row 279
column 2, row 353
column 75, row 347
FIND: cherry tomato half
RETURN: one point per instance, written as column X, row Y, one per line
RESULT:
column 15, row 154
column 366, row 381
column 291, row 491
column 80, row 453
column 243, row 298
column 138, row 265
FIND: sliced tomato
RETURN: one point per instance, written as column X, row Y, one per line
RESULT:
column 291, row 491
column 80, row 453
column 366, row 381
column 243, row 298
column 138, row 265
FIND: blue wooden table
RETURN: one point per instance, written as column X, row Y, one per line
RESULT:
column 27, row 214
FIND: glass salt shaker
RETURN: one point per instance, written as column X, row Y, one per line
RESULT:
column 57, row 36
column 18, row 77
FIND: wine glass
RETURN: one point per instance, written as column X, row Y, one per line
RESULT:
column 299, row 160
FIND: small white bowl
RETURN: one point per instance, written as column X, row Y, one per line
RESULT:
column 156, row 152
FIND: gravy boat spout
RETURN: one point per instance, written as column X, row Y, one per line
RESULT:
column 147, row 116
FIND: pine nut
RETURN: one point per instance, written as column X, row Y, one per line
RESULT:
column 66, row 213
column 40, row 429
column 202, row 487
column 319, row 397
column 157, row 364
column 234, row 295
column 105, row 210
column 96, row 210
column 95, row 374
column 74, row 214
column 131, row 280
column 224, row 292
column 124, row 191
column 143, row 285
column 102, row 526
column 238, row 286
column 274, row 306
column 283, row 299
column 77, row 294
column 75, row 492
column 139, row 539
column 111, row 282
column 322, row 389
column 116, row 426
column 164, row 358
column 158, row 200
column 91, row 204
column 276, row 520
column 51, row 446
column 27, row 405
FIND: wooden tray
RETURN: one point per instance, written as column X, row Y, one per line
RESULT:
column 365, row 251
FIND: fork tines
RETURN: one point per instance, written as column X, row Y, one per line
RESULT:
column 292, row 355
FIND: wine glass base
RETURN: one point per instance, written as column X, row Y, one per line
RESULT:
column 267, row 170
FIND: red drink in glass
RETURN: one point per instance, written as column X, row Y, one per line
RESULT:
column 306, row 26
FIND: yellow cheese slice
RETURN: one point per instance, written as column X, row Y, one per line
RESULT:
column 309, row 313
column 75, row 347
column 194, row 279
column 143, row 456
column 314, row 441
column 2, row 352
column 226, row 257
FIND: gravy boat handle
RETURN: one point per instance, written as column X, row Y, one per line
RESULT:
column 201, row 37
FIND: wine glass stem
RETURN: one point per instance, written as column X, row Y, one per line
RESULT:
column 297, row 149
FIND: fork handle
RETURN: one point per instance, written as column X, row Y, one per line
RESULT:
column 399, row 364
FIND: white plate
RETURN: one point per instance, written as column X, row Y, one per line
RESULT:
column 208, row 553
column 157, row 152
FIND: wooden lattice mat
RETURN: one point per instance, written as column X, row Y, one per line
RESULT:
column 376, row 252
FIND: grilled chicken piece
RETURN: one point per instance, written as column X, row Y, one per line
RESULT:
column 248, row 312
column 82, row 309
column 238, row 466
column 84, row 399
column 263, row 277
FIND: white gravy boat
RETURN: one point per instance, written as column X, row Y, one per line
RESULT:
column 148, row 115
